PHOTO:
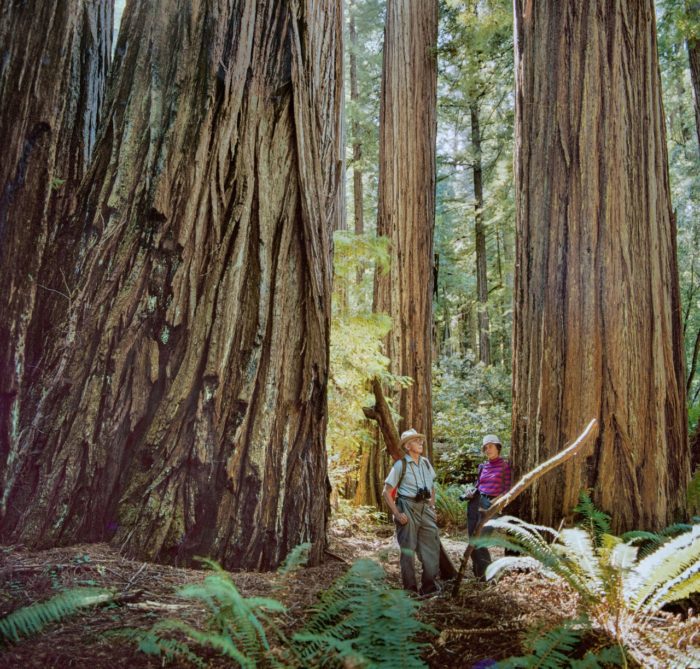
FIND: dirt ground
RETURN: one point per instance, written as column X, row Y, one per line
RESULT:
column 484, row 622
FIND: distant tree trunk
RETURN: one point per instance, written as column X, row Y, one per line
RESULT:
column 52, row 81
column 597, row 330
column 406, row 210
column 482, row 290
column 184, row 412
column 356, row 144
column 370, row 482
column 695, row 448
column 693, row 10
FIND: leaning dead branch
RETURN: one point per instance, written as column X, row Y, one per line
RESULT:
column 382, row 414
column 523, row 484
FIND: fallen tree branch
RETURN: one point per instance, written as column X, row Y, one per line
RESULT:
column 521, row 486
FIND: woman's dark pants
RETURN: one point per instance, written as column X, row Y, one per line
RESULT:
column 481, row 558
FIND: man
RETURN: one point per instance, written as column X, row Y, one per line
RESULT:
column 494, row 478
column 414, row 513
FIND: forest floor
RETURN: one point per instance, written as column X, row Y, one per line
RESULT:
column 486, row 621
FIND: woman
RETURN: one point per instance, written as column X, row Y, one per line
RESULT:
column 493, row 479
column 414, row 513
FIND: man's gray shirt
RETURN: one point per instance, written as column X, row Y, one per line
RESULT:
column 417, row 476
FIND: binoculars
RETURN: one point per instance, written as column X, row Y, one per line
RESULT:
column 422, row 495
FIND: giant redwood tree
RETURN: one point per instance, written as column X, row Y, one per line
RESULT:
column 52, row 83
column 406, row 209
column 183, row 409
column 597, row 325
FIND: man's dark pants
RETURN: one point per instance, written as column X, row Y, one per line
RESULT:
column 419, row 536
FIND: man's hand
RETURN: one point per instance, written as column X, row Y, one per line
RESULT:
column 402, row 518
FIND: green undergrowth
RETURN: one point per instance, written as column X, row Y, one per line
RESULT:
column 359, row 621
column 624, row 586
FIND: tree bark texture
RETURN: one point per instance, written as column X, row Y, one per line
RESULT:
column 693, row 45
column 55, row 59
column 356, row 144
column 370, row 480
column 597, row 329
column 482, row 290
column 406, row 209
column 184, row 411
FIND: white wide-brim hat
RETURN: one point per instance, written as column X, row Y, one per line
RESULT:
column 410, row 434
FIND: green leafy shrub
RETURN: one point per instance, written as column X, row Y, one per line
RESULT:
column 356, row 350
column 469, row 401
column 451, row 511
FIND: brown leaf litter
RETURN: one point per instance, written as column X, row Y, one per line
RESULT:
column 485, row 621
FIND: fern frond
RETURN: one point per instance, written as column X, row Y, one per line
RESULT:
column 229, row 606
column 594, row 520
column 638, row 536
column 650, row 541
column 675, row 529
column 653, row 573
column 31, row 619
column 622, row 556
column 680, row 587
column 219, row 642
column 549, row 650
column 360, row 621
column 170, row 649
column 298, row 557
column 610, row 656
column 576, row 546
column 527, row 538
column 238, row 622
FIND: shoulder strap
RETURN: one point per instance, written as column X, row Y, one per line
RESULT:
column 403, row 472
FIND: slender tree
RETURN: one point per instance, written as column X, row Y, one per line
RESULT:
column 597, row 330
column 358, row 209
column 52, row 82
column 693, row 45
column 184, row 410
column 482, row 288
column 406, row 212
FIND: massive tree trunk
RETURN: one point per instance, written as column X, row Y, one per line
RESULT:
column 482, row 291
column 597, row 330
column 52, row 81
column 184, row 411
column 406, row 212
